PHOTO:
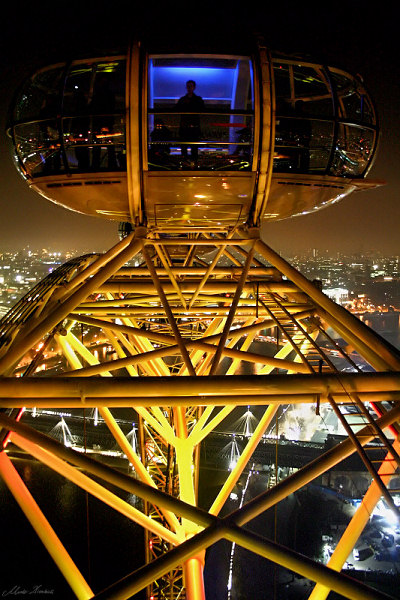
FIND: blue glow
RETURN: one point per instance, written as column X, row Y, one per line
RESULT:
column 211, row 83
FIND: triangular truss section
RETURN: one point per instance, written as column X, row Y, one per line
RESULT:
column 184, row 330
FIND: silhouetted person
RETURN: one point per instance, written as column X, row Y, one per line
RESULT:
column 189, row 129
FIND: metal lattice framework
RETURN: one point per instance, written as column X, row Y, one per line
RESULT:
column 181, row 324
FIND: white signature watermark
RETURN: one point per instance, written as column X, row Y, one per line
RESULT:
column 17, row 590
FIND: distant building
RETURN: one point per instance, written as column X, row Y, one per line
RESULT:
column 339, row 295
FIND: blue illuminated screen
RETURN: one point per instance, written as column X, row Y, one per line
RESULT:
column 215, row 84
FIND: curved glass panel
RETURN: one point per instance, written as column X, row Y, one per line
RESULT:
column 304, row 118
column 38, row 148
column 353, row 151
column 312, row 91
column 310, row 137
column 92, row 135
column 95, row 143
column 211, row 126
column 353, row 101
column 96, row 87
column 94, row 116
column 302, row 89
column 302, row 145
column 200, row 116
column 40, row 97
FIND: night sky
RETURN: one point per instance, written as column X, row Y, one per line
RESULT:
column 360, row 37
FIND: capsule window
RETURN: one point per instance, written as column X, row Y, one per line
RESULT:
column 353, row 102
column 304, row 125
column 38, row 147
column 94, row 116
column 200, row 113
column 40, row 97
column 353, row 151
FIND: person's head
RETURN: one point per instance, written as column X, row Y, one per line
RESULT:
column 190, row 86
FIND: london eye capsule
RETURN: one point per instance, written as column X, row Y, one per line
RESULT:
column 172, row 140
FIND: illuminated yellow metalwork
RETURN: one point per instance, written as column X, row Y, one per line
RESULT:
column 180, row 335
column 192, row 316
column 43, row 529
column 356, row 525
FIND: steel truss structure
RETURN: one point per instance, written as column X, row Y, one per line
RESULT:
column 181, row 325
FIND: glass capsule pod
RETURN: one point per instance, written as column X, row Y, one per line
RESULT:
column 193, row 140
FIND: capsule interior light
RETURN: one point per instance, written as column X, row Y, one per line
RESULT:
column 271, row 136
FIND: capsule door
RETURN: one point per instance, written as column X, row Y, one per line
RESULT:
column 199, row 147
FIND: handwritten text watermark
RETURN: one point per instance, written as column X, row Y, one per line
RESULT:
column 18, row 590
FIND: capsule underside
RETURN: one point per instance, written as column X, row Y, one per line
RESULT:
column 252, row 137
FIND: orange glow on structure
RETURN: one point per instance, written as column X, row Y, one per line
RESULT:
column 17, row 418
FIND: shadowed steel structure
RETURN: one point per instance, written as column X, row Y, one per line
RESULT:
column 180, row 301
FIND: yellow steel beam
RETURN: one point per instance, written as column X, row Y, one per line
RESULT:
column 134, row 582
column 193, row 577
column 92, row 487
column 198, row 242
column 356, row 525
column 160, row 252
column 84, row 352
column 192, row 387
column 250, row 511
column 197, row 435
column 243, row 460
column 196, row 356
column 168, row 311
column 135, row 347
column 281, row 354
column 221, row 271
column 243, row 348
column 43, row 529
column 231, row 314
column 389, row 359
column 214, row 335
column 145, row 357
column 166, row 433
column 59, row 313
column 115, row 342
column 189, row 286
column 243, row 355
column 342, row 584
column 204, row 298
column 144, row 344
column 207, row 274
column 68, row 352
column 172, row 401
column 134, row 460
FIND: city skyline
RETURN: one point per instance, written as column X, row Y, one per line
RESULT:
column 360, row 222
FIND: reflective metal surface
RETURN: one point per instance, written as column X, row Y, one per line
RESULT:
column 73, row 125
